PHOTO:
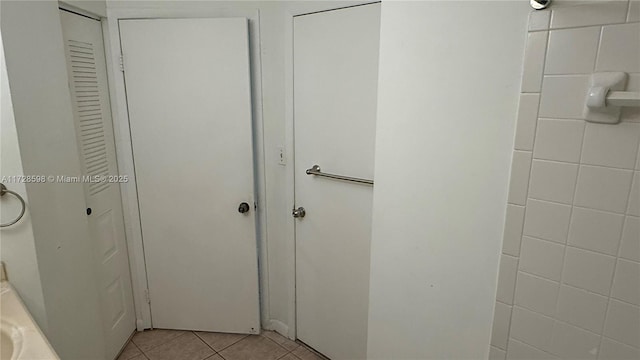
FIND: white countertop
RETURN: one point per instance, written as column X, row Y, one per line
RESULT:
column 17, row 324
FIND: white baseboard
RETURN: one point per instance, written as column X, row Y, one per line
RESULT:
column 279, row 327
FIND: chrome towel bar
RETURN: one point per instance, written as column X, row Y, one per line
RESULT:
column 3, row 191
column 315, row 170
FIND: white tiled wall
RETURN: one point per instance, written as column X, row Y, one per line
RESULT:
column 569, row 282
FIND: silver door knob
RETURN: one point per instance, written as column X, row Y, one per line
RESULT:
column 299, row 212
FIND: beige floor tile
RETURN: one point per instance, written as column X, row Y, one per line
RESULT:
column 289, row 356
column 253, row 348
column 185, row 347
column 148, row 339
column 214, row 357
column 130, row 351
column 139, row 357
column 280, row 340
column 306, row 354
column 219, row 341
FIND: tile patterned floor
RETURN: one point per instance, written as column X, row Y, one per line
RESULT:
column 195, row 345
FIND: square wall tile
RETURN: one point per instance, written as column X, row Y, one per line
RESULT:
column 507, row 279
column 537, row 294
column 582, row 308
column 545, row 220
column 559, row 140
column 599, row 13
column 534, row 61
column 603, row 188
column 553, row 181
column 626, row 282
column 630, row 244
column 595, row 230
column 539, row 20
column 521, row 351
column 620, row 48
column 519, row 181
column 570, row 342
column 542, row 258
column 634, row 196
column 572, row 51
column 608, row 145
column 497, row 354
column 623, row 323
column 513, row 230
column 630, row 113
column 613, row 350
column 526, row 121
column 563, row 96
column 531, row 327
column 588, row 270
column 501, row 322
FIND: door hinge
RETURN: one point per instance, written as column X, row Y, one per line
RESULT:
column 147, row 298
column 121, row 62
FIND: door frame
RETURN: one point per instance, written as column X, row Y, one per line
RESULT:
column 124, row 151
column 301, row 10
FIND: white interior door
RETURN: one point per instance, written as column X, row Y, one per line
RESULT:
column 335, row 91
column 188, row 93
column 84, row 48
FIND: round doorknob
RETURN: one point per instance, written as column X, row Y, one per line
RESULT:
column 243, row 208
column 299, row 212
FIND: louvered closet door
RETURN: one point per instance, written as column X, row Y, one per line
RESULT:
column 90, row 97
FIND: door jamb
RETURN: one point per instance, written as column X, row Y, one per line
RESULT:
column 124, row 155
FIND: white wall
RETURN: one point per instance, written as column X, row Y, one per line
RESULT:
column 37, row 75
column 17, row 245
column 448, row 91
column 570, row 267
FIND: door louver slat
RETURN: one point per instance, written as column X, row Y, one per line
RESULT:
column 89, row 111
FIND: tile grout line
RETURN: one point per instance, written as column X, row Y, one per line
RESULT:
column 270, row 339
column 580, row 163
column 582, row 248
column 615, row 267
column 526, row 201
column 581, row 26
column 555, row 202
column 535, row 347
column 566, row 240
column 551, row 317
column 207, row 345
column 183, row 332
column 134, row 345
column 573, row 287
